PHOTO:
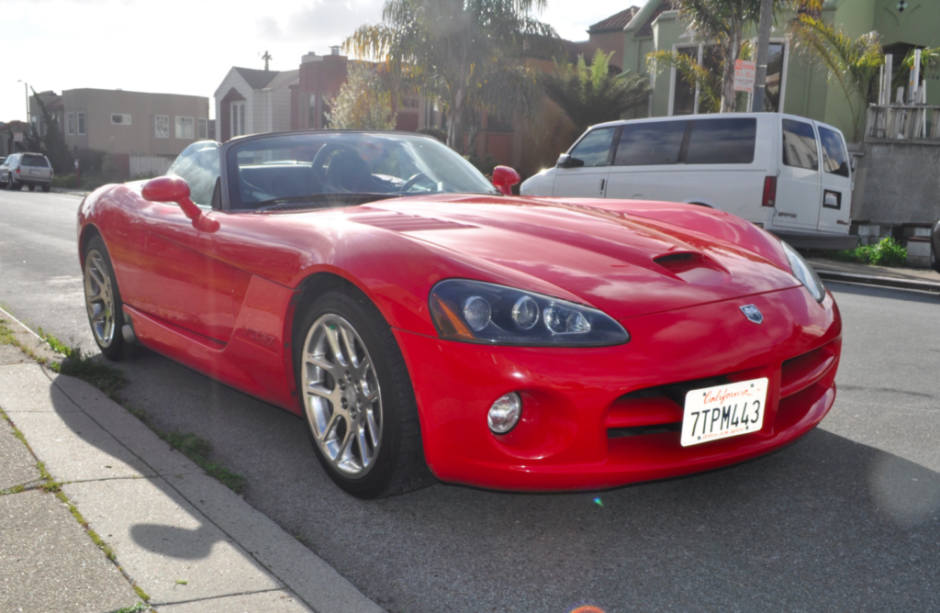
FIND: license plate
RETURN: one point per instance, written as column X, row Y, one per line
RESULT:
column 723, row 411
column 34, row 172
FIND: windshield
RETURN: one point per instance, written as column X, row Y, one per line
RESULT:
column 336, row 169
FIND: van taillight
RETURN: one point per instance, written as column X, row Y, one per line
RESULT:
column 770, row 191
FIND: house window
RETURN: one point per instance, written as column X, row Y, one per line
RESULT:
column 161, row 126
column 70, row 123
column 81, row 122
column 776, row 77
column 238, row 119
column 686, row 97
column 203, row 128
column 120, row 119
column 185, row 128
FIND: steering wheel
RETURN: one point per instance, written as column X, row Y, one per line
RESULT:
column 321, row 157
column 411, row 182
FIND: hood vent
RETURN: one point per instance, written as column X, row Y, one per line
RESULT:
column 398, row 222
column 693, row 267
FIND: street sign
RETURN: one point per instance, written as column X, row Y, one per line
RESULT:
column 744, row 73
column 17, row 137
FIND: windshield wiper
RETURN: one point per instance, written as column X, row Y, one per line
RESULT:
column 320, row 201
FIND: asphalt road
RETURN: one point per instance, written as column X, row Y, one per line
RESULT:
column 846, row 519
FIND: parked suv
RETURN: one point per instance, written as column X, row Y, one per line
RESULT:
column 789, row 175
column 29, row 169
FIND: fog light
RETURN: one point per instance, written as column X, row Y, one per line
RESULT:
column 505, row 413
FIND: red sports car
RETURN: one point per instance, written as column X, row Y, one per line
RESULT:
column 417, row 318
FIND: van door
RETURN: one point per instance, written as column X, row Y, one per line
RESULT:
column 798, row 186
column 592, row 155
column 645, row 161
column 834, row 216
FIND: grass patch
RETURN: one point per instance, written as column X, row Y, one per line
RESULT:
column 89, row 182
column 103, row 376
column 6, row 334
column 198, row 449
column 888, row 252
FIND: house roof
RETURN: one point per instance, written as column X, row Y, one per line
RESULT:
column 614, row 22
column 256, row 79
column 642, row 22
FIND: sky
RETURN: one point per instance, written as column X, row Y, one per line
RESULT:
column 188, row 46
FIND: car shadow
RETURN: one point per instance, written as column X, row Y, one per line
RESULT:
column 825, row 524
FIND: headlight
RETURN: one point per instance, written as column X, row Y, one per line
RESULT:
column 805, row 273
column 480, row 312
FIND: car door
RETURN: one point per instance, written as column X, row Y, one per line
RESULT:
column 834, row 216
column 645, row 161
column 798, row 186
column 586, row 174
column 178, row 275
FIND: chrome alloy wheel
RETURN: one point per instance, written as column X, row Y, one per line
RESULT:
column 342, row 398
column 99, row 298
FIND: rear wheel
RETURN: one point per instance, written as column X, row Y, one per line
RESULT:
column 933, row 257
column 357, row 397
column 46, row 187
column 31, row 187
column 12, row 185
column 103, row 300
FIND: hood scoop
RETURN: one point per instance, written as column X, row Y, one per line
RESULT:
column 399, row 222
column 694, row 268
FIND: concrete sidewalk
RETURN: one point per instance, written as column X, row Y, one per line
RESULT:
column 922, row 279
column 179, row 541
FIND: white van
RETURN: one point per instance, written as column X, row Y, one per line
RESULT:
column 787, row 174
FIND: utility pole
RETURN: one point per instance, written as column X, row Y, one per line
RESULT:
column 763, row 50
column 26, row 91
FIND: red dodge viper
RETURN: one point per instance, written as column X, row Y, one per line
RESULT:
column 424, row 323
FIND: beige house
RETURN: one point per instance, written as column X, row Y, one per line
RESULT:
column 131, row 123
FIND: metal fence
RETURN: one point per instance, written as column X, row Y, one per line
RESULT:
column 903, row 122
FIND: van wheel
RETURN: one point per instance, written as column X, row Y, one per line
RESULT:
column 46, row 187
column 31, row 187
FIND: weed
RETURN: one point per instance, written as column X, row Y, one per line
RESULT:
column 84, row 524
column 103, row 376
column 182, row 582
column 137, row 608
column 888, row 252
column 141, row 594
column 198, row 449
column 6, row 335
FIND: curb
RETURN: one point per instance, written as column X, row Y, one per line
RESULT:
column 848, row 277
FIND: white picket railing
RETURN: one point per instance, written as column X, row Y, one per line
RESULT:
column 903, row 122
column 149, row 165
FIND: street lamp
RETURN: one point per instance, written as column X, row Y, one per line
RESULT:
column 26, row 91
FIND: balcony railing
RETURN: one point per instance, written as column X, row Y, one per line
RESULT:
column 903, row 122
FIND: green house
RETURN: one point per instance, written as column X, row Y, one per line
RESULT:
column 796, row 82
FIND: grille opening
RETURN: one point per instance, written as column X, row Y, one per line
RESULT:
column 796, row 374
column 676, row 391
column 670, row 258
column 644, row 430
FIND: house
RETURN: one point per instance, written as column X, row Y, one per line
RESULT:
column 796, row 83
column 249, row 101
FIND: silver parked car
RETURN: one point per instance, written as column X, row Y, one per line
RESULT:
column 29, row 169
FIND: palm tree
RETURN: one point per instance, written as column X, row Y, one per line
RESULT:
column 706, row 82
column 854, row 64
column 590, row 94
column 462, row 52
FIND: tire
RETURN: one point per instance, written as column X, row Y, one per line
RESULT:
column 362, row 420
column 31, row 187
column 103, row 300
column 933, row 257
column 46, row 187
column 12, row 185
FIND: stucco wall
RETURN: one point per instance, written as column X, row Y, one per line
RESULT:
column 897, row 183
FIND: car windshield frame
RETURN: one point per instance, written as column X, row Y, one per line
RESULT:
column 332, row 169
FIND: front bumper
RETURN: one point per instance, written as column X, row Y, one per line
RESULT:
column 579, row 403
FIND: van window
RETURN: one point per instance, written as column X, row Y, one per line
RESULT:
column 722, row 141
column 594, row 148
column 835, row 159
column 642, row 144
column 799, row 145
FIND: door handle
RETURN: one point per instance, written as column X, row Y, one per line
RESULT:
column 603, row 184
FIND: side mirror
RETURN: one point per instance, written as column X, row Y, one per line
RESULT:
column 504, row 178
column 566, row 161
column 175, row 189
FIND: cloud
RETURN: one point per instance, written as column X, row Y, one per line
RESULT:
column 322, row 21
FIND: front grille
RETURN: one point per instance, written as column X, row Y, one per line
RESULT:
column 654, row 410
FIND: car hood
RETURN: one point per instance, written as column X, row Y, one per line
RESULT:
column 622, row 263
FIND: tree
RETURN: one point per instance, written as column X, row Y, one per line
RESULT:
column 854, row 64
column 364, row 102
column 707, row 82
column 52, row 143
column 463, row 52
column 590, row 94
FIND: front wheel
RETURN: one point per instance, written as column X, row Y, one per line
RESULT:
column 357, row 398
column 103, row 300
